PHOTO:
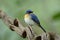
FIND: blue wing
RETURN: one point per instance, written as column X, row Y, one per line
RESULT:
column 35, row 19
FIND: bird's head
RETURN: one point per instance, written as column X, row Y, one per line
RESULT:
column 29, row 11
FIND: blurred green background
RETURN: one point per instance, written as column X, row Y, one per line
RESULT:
column 48, row 12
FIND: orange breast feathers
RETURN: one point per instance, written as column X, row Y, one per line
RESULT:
column 26, row 16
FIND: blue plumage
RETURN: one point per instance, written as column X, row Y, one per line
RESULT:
column 29, row 11
column 35, row 19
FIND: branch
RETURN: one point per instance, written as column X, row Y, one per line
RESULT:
column 25, row 32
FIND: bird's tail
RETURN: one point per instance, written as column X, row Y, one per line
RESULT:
column 42, row 28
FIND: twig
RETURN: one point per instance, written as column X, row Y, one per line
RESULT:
column 25, row 32
column 15, row 25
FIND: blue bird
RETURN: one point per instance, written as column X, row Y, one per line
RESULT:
column 32, row 19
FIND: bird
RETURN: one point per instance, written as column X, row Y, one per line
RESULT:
column 30, row 18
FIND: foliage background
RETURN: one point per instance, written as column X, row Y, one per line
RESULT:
column 48, row 12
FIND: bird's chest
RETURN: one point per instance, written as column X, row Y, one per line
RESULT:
column 28, row 20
